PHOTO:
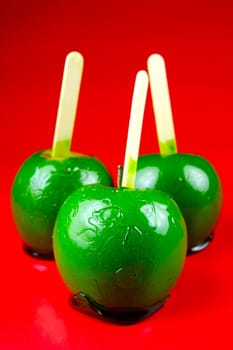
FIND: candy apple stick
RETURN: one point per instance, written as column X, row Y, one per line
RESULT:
column 67, row 104
column 134, row 131
column 161, row 105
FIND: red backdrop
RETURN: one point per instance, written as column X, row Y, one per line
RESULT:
column 115, row 38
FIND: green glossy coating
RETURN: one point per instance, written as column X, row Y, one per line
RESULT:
column 193, row 183
column 120, row 248
column 132, row 168
column 41, row 186
column 63, row 147
column 167, row 148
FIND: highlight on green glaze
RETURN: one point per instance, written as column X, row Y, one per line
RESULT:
column 41, row 186
column 121, row 248
column 192, row 182
column 167, row 148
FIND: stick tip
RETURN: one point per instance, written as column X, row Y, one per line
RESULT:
column 154, row 59
column 75, row 56
column 142, row 75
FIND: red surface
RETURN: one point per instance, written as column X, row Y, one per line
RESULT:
column 116, row 38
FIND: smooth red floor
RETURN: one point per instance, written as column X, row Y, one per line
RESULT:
column 115, row 38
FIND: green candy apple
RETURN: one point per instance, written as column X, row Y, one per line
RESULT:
column 39, row 189
column 195, row 186
column 120, row 249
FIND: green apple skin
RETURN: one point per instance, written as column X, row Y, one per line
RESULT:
column 192, row 182
column 123, row 249
column 41, row 186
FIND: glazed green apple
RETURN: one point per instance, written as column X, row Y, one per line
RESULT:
column 120, row 249
column 39, row 189
column 195, row 186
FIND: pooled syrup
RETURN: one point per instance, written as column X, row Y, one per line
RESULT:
column 123, row 316
column 37, row 255
column 198, row 248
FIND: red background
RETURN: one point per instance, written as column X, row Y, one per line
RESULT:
column 115, row 38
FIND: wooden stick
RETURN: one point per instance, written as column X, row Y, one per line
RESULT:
column 161, row 105
column 134, row 130
column 67, row 106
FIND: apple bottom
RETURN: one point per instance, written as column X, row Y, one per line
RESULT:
column 37, row 255
column 124, row 316
column 201, row 246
